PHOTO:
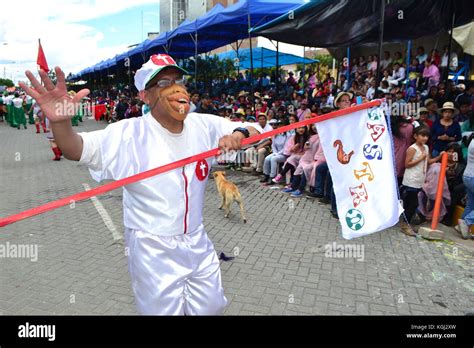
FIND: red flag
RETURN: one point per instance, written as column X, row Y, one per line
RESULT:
column 41, row 60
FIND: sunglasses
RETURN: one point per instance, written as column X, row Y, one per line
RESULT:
column 166, row 83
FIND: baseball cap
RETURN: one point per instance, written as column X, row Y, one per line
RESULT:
column 156, row 64
column 251, row 118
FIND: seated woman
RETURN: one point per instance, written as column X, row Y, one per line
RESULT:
column 454, row 174
column 445, row 130
column 277, row 156
column 294, row 149
column 305, row 166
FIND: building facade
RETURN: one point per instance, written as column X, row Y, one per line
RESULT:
column 174, row 12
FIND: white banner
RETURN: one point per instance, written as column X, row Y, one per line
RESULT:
column 358, row 150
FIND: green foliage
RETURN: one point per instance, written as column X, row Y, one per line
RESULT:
column 210, row 67
column 6, row 82
column 321, row 69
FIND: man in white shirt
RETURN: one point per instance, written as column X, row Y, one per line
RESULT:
column 386, row 61
column 371, row 90
column 398, row 75
column 172, row 263
column 194, row 102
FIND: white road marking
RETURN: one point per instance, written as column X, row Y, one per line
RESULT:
column 104, row 215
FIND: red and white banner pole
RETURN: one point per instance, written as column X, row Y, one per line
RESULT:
column 160, row 170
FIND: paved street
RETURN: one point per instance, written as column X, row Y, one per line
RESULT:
column 281, row 266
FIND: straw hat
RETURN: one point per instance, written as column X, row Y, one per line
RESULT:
column 257, row 95
column 428, row 101
column 242, row 94
column 339, row 96
column 420, row 111
column 448, row 106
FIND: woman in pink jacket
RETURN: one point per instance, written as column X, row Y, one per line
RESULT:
column 305, row 166
column 294, row 148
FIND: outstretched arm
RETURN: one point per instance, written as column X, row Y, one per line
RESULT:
column 233, row 141
column 59, row 108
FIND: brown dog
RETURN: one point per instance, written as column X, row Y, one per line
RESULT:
column 229, row 192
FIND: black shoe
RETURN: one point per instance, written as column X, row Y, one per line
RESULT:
column 324, row 200
column 265, row 178
column 419, row 219
column 270, row 182
column 313, row 195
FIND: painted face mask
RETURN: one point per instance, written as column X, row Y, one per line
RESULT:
column 175, row 100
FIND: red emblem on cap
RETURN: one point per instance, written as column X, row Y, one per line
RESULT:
column 202, row 170
column 162, row 60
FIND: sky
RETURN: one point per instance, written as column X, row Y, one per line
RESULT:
column 74, row 34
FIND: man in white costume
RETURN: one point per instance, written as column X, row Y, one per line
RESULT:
column 172, row 263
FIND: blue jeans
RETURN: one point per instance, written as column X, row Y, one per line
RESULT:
column 321, row 174
column 298, row 182
column 333, row 200
column 271, row 164
column 468, row 214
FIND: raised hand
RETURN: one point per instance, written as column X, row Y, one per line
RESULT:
column 54, row 101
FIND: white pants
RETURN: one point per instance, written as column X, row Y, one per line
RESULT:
column 177, row 275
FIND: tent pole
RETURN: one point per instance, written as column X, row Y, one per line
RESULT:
column 277, row 74
column 261, row 63
column 348, row 72
column 304, row 64
column 382, row 20
column 408, row 65
column 238, row 66
column 446, row 73
column 251, row 63
column 196, row 60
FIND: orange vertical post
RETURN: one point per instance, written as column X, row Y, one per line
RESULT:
column 439, row 191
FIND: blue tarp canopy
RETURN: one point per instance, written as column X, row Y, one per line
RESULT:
column 217, row 28
column 264, row 58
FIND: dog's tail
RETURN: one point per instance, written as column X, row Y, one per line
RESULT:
column 238, row 199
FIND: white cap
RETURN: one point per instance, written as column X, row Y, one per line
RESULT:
column 150, row 69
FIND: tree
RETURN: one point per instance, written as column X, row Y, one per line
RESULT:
column 6, row 82
column 322, row 68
